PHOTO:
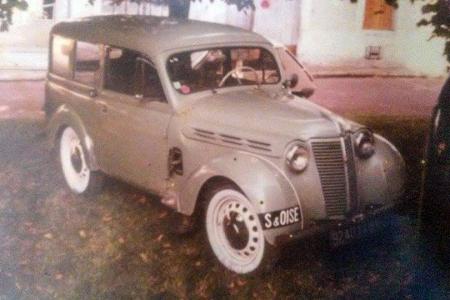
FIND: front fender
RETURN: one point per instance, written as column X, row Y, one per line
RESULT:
column 263, row 183
column 381, row 178
column 63, row 117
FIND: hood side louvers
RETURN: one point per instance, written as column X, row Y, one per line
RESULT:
column 259, row 145
column 204, row 134
column 229, row 139
column 232, row 140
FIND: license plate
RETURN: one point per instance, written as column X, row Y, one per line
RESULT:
column 280, row 218
column 348, row 233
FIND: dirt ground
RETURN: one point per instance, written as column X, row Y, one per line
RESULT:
column 372, row 96
column 379, row 96
column 119, row 244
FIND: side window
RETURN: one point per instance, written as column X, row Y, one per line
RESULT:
column 120, row 70
column 87, row 63
column 127, row 72
column 149, row 84
column 62, row 53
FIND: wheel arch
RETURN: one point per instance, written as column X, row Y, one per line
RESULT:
column 266, row 187
column 65, row 117
column 209, row 185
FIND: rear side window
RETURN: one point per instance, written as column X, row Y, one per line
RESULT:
column 62, row 53
column 87, row 63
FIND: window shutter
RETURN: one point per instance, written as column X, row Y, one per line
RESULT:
column 378, row 15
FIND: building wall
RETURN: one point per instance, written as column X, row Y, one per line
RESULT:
column 332, row 34
column 132, row 8
column 274, row 19
column 413, row 45
column 65, row 9
column 326, row 32
column 280, row 21
column 33, row 12
column 331, row 31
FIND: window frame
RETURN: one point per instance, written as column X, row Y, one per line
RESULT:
column 140, row 57
column 70, row 71
column 97, row 81
column 223, row 47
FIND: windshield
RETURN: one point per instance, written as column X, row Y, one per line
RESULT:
column 214, row 68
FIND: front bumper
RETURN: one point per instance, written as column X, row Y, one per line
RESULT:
column 325, row 226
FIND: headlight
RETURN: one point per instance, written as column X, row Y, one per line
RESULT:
column 297, row 157
column 364, row 143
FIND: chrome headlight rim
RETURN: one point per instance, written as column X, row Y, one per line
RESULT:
column 364, row 142
column 297, row 157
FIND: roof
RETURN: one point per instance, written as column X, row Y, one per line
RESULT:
column 152, row 35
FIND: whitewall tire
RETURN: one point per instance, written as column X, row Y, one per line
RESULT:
column 234, row 231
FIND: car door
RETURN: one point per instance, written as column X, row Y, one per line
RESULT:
column 303, row 84
column 134, row 118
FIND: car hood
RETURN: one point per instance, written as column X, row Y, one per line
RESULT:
column 264, row 117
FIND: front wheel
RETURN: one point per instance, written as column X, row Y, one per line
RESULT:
column 78, row 176
column 235, row 233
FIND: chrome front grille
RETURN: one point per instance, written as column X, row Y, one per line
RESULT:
column 351, row 174
column 330, row 162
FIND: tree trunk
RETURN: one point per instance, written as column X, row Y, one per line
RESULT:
column 179, row 9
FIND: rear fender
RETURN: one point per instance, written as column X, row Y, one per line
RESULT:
column 66, row 117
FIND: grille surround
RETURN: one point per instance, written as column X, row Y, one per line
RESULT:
column 335, row 164
column 351, row 174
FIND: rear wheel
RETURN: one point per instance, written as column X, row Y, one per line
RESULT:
column 77, row 174
column 235, row 233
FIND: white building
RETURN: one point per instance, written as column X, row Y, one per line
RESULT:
column 335, row 32
column 325, row 32
column 368, row 33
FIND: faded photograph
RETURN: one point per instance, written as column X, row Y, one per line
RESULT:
column 266, row 149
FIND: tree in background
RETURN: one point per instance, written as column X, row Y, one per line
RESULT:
column 6, row 9
column 438, row 16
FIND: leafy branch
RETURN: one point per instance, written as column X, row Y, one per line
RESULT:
column 6, row 9
column 438, row 16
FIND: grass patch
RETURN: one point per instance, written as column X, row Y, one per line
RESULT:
column 119, row 244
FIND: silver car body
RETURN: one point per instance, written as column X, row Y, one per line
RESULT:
column 238, row 133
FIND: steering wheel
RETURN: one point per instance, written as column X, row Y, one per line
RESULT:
column 235, row 72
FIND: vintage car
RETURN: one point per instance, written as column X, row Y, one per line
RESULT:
column 202, row 115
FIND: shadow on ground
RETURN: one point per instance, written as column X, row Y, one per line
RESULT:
column 118, row 244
